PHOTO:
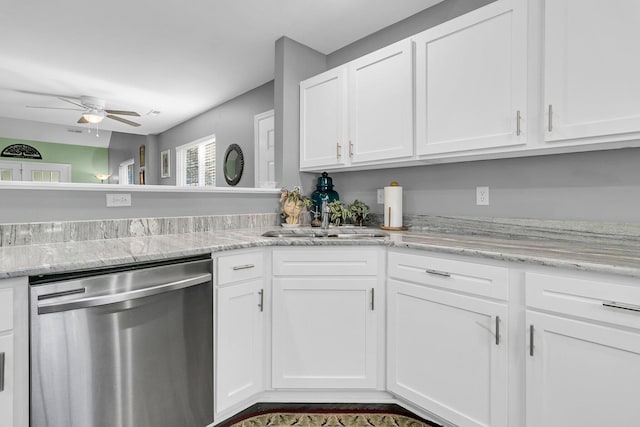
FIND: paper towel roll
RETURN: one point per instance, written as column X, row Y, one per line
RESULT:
column 393, row 205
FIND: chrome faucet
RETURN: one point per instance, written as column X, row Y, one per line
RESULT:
column 325, row 215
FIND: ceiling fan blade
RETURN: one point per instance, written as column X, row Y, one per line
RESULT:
column 123, row 113
column 120, row 119
column 55, row 108
column 83, row 120
column 72, row 102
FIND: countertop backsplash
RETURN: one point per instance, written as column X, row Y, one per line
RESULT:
column 77, row 231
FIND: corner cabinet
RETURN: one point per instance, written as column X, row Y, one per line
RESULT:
column 591, row 85
column 328, row 315
column 14, row 353
column 447, row 340
column 583, row 363
column 239, row 329
column 359, row 113
column 471, row 81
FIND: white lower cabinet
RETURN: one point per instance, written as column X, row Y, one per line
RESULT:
column 583, row 363
column 326, row 318
column 447, row 351
column 14, row 353
column 239, row 330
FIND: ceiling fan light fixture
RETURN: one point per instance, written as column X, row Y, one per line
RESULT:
column 94, row 116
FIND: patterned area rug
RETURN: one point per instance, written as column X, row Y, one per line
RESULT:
column 329, row 419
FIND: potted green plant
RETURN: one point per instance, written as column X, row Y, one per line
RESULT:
column 338, row 213
column 358, row 212
column 293, row 203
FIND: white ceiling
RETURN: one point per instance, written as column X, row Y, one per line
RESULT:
column 180, row 57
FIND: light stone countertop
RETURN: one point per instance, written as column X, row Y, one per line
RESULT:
column 609, row 252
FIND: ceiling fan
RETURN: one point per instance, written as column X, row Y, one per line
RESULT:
column 93, row 111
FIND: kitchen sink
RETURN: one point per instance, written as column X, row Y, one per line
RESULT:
column 347, row 233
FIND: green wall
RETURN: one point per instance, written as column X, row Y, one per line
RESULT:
column 85, row 161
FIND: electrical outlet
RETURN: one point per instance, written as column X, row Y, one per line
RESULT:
column 482, row 196
column 380, row 196
column 118, row 200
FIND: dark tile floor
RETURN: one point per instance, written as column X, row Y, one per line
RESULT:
column 263, row 408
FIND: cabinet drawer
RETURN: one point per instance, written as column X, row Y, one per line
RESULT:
column 602, row 300
column 240, row 266
column 6, row 310
column 333, row 261
column 469, row 277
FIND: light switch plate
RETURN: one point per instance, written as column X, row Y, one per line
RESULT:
column 380, row 196
column 118, row 200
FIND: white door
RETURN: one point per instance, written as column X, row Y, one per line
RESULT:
column 443, row 355
column 264, row 134
column 324, row 332
column 239, row 343
column 471, row 81
column 591, row 69
column 381, row 104
column 582, row 374
column 322, row 119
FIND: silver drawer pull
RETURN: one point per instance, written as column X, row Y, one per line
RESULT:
column 261, row 304
column 622, row 306
column 438, row 273
column 497, row 330
column 243, row 267
column 531, row 340
column 2, row 371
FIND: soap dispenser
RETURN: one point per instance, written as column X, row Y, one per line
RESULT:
column 324, row 191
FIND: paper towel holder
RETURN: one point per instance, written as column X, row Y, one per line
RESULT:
column 389, row 227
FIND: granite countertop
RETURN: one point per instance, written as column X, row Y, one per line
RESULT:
column 611, row 249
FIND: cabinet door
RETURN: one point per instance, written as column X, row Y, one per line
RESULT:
column 581, row 374
column 324, row 332
column 239, row 343
column 381, row 104
column 322, row 119
column 591, row 69
column 471, row 81
column 443, row 355
column 6, row 373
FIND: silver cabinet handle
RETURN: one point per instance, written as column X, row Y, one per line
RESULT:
column 518, row 118
column 350, row 150
column 373, row 299
column 438, row 273
column 2, row 371
column 550, row 118
column 530, row 340
column 622, row 306
column 261, row 303
column 338, row 150
column 243, row 267
column 497, row 330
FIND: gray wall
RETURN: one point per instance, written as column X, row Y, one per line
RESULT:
column 231, row 122
column 592, row 186
column 19, row 206
column 125, row 146
column 293, row 62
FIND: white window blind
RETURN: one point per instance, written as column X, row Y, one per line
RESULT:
column 196, row 163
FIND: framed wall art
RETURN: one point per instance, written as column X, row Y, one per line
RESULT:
column 165, row 164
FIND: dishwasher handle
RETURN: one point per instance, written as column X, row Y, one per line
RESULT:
column 87, row 302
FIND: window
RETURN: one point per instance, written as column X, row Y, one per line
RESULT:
column 196, row 163
column 125, row 172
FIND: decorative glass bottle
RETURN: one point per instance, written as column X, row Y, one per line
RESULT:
column 324, row 191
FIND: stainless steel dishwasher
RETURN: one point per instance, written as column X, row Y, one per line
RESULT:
column 125, row 347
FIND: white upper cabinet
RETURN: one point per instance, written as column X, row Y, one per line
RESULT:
column 323, row 131
column 381, row 104
column 471, row 81
column 592, row 69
